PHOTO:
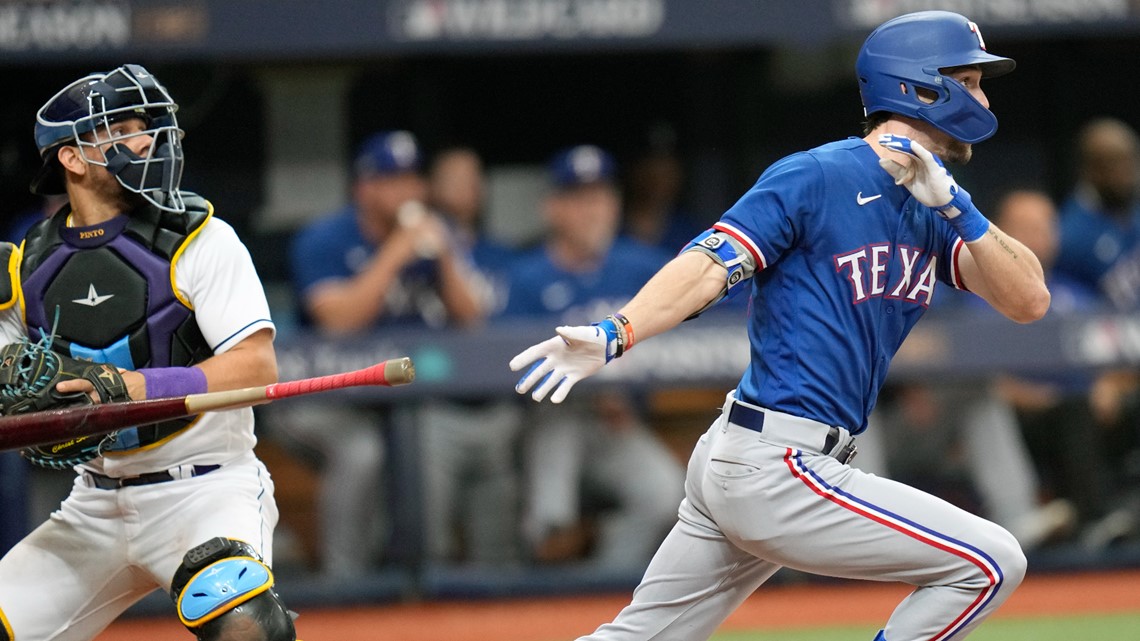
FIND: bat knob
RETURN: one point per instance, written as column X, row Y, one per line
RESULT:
column 400, row 371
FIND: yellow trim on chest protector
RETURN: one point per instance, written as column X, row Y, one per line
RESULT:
column 11, row 293
column 181, row 248
column 6, row 633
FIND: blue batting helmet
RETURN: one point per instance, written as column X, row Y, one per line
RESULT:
column 911, row 52
column 81, row 115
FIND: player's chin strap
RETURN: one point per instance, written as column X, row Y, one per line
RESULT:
column 223, row 590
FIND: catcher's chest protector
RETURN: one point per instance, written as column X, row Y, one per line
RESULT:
column 113, row 285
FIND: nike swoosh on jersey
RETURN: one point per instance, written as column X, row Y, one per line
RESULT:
column 863, row 201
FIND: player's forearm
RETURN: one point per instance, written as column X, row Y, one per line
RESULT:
column 250, row 363
column 1010, row 275
column 339, row 309
column 352, row 304
column 680, row 289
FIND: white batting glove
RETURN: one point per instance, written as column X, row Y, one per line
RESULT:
column 560, row 362
column 931, row 184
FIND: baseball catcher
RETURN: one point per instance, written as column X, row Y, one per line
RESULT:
column 152, row 297
column 29, row 372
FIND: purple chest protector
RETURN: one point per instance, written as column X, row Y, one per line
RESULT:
column 113, row 287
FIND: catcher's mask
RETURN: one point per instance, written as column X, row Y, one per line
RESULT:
column 81, row 115
column 912, row 52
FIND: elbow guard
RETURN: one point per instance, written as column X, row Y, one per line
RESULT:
column 728, row 253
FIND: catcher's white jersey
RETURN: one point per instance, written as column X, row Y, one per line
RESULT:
column 215, row 274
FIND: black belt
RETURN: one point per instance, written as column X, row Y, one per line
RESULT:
column 104, row 482
column 745, row 416
column 753, row 419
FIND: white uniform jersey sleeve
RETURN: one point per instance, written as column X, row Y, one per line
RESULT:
column 12, row 325
column 216, row 276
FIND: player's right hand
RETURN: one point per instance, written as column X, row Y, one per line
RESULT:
column 932, row 185
column 419, row 233
column 558, row 363
column 925, row 176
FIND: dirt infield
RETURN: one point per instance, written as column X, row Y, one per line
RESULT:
column 783, row 606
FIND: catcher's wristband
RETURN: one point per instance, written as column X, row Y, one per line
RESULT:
column 173, row 382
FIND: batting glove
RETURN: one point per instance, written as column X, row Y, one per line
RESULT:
column 932, row 185
column 560, row 362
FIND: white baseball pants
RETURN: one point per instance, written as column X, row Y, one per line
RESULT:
column 756, row 502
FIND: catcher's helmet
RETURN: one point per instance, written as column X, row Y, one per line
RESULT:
column 81, row 115
column 910, row 52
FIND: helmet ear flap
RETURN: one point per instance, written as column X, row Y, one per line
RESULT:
column 960, row 115
column 912, row 50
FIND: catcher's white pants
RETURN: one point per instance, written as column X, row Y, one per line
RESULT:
column 754, row 505
column 103, row 550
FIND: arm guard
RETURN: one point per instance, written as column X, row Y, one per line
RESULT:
column 728, row 253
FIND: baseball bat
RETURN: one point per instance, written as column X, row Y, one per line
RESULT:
column 53, row 426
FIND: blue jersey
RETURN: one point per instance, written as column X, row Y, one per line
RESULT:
column 1100, row 250
column 847, row 262
column 540, row 287
column 333, row 247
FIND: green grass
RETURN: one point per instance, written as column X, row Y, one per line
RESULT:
column 1105, row 627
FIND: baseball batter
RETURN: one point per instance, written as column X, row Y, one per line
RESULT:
column 137, row 273
column 843, row 246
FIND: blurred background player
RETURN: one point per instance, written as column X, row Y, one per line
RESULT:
column 1065, row 436
column 1100, row 220
column 653, row 212
column 457, row 190
column 383, row 260
column 469, row 446
column 1100, row 247
column 583, row 455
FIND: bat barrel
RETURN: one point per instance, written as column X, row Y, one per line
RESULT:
column 51, row 426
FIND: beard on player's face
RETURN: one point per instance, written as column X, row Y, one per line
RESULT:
column 936, row 141
column 954, row 151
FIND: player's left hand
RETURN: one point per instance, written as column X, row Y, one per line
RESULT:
column 136, row 386
column 925, row 176
column 560, row 362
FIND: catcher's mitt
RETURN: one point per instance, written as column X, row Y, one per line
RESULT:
column 28, row 375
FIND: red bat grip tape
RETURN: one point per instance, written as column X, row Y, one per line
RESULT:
column 368, row 376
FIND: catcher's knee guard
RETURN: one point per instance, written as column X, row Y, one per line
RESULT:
column 223, row 590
